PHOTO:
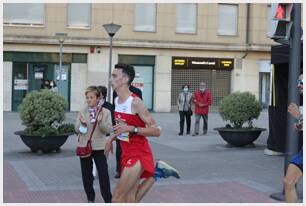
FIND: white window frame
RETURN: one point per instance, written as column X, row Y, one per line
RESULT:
column 237, row 23
column 155, row 17
column 28, row 24
column 196, row 21
column 79, row 27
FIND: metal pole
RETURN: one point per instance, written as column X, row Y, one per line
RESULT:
column 110, row 69
column 60, row 62
column 294, row 71
column 292, row 140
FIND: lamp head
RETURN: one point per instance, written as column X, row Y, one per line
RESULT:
column 111, row 28
column 61, row 37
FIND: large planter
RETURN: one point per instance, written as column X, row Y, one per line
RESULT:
column 239, row 137
column 46, row 144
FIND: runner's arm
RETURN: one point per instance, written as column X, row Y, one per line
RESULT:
column 151, row 128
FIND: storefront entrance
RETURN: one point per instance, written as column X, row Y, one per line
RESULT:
column 216, row 73
column 20, row 84
column 31, row 76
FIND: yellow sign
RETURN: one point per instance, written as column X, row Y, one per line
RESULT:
column 179, row 62
column 226, row 63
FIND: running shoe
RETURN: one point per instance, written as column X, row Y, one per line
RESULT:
column 164, row 170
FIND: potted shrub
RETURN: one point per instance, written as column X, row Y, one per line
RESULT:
column 42, row 112
column 240, row 109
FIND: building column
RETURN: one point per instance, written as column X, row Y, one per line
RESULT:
column 7, row 85
column 162, row 84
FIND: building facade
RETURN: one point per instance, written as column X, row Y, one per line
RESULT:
column 225, row 45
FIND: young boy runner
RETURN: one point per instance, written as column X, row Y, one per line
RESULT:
column 134, row 124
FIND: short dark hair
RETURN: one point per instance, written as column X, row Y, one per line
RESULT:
column 185, row 86
column 128, row 70
column 102, row 90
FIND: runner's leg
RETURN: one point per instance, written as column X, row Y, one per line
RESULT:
column 131, row 196
column 293, row 175
column 129, row 178
column 143, row 188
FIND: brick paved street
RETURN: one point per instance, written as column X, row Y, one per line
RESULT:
column 211, row 170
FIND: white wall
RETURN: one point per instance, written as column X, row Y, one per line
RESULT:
column 98, row 68
column 246, row 78
column 7, row 85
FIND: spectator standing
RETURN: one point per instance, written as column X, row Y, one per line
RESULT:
column 202, row 101
column 184, row 102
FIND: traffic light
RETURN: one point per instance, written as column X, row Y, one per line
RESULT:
column 280, row 20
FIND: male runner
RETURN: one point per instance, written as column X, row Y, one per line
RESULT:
column 134, row 124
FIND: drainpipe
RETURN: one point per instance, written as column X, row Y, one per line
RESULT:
column 247, row 24
column 247, row 38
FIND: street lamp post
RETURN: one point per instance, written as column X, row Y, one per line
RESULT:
column 61, row 38
column 111, row 29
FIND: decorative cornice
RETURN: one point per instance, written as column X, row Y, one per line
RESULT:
column 135, row 43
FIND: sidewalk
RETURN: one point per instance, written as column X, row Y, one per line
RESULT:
column 211, row 171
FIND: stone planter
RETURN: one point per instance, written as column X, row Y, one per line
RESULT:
column 239, row 137
column 47, row 144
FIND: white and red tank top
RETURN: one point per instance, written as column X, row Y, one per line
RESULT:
column 137, row 144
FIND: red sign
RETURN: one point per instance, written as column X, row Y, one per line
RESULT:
column 280, row 12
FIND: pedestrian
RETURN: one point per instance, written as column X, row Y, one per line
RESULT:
column 133, row 124
column 295, row 168
column 202, row 101
column 107, row 105
column 87, row 117
column 138, row 92
column 184, row 102
column 45, row 84
column 53, row 86
column 104, row 103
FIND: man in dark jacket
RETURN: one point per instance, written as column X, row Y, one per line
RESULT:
column 107, row 105
column 138, row 92
column 202, row 101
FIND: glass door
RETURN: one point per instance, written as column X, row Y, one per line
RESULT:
column 20, row 84
column 38, row 73
column 144, row 81
column 62, row 80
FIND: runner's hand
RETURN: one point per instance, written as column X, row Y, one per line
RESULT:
column 297, row 127
column 294, row 110
column 122, row 127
